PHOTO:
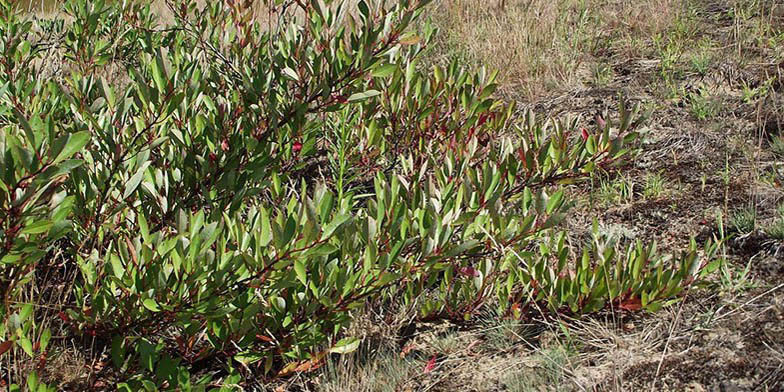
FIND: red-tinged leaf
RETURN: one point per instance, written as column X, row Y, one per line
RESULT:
column 431, row 364
column 600, row 122
column 5, row 346
column 296, row 147
column 631, row 304
column 265, row 338
column 305, row 366
column 225, row 145
column 585, row 134
column 469, row 271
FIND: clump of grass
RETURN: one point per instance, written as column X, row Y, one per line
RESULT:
column 702, row 105
column 736, row 279
column 603, row 74
column 617, row 191
column 669, row 51
column 378, row 372
column 500, row 334
column 702, row 59
column 777, row 146
column 550, row 369
column 700, row 63
column 775, row 230
column 654, row 186
column 743, row 220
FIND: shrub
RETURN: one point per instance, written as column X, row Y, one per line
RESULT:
column 227, row 202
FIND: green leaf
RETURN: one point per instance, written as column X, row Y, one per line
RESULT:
column 118, row 351
column 249, row 357
column 363, row 96
column 384, row 70
column 135, row 180
column 108, row 92
column 457, row 250
column 322, row 250
column 25, row 312
column 46, row 336
column 32, row 381
column 150, row 304
column 159, row 73
column 291, row 73
column 147, row 354
column 26, row 345
column 299, row 269
column 266, row 228
column 75, row 142
column 289, row 230
column 345, row 346
column 39, row 227
column 143, row 227
column 332, row 226
column 364, row 10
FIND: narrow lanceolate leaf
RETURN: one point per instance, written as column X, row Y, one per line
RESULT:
column 108, row 92
column 76, row 141
column 266, row 228
column 299, row 269
column 150, row 304
column 135, row 180
column 37, row 227
column 384, row 70
column 143, row 227
column 337, row 221
column 26, row 345
column 45, row 337
column 159, row 73
column 358, row 97
column 291, row 73
column 345, row 346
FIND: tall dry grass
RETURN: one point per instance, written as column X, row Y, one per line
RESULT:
column 540, row 46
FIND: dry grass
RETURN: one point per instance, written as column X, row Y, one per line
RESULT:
column 544, row 46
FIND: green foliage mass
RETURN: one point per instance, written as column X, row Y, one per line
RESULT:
column 217, row 192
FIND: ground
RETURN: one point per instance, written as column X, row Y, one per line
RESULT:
column 710, row 74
